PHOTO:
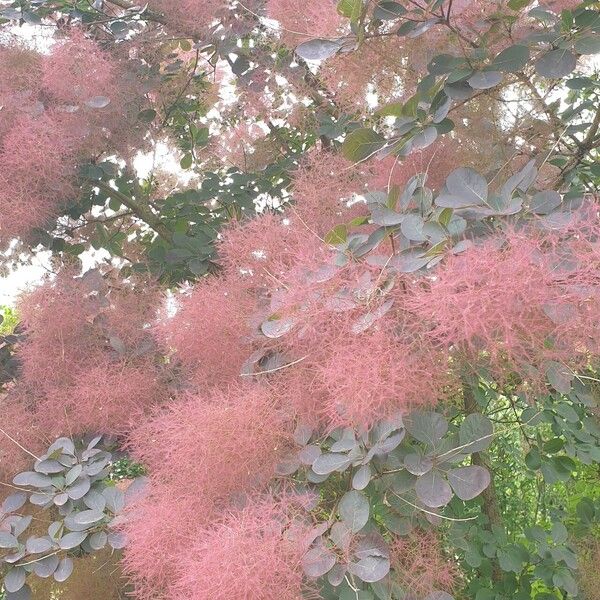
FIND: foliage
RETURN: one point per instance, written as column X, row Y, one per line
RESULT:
column 374, row 375
column 71, row 484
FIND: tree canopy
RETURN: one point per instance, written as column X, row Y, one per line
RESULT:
column 340, row 334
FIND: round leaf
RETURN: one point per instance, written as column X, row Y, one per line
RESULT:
column 477, row 431
column 433, row 490
column 354, row 510
column 14, row 580
column 371, row 568
column 330, row 462
column 556, row 63
column 64, row 570
column 318, row 561
column 469, row 482
column 361, row 144
column 484, row 80
column 72, row 539
column 511, row 59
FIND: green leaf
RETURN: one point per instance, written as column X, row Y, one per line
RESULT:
column 511, row 59
column 477, row 431
column 556, row 63
column 338, row 235
column 585, row 511
column 513, row 558
column 559, row 533
column 518, row 4
column 361, row 144
column 563, row 579
column 147, row 116
column 533, row 459
column 410, row 106
column 485, row 80
column 387, row 11
column 391, row 110
column 350, row 9
column 567, row 412
column 186, row 161
column 554, row 445
column 590, row 44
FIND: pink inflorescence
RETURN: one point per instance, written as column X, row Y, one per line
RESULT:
column 36, row 173
column 302, row 20
column 210, row 330
column 254, row 553
column 519, row 298
column 323, row 187
column 190, row 16
column 420, row 566
column 77, row 375
column 389, row 375
column 58, row 110
column 77, row 70
column 224, row 443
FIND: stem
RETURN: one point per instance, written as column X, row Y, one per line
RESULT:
column 140, row 211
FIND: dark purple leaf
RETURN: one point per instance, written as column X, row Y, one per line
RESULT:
column 117, row 540
column 46, row 566
column 8, row 540
column 14, row 580
column 371, row 568
column 33, row 479
column 72, row 539
column 38, row 545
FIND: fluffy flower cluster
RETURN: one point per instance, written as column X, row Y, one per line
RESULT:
column 262, row 550
column 190, row 16
column 80, row 372
column 517, row 300
column 58, row 109
column 420, row 565
column 226, row 445
column 302, row 20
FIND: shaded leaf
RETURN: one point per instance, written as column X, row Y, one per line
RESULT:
column 370, row 568
column 469, row 482
column 362, row 143
column 556, row 63
column 433, row 490
column 354, row 510
column 318, row 561
column 476, row 431
column 64, row 570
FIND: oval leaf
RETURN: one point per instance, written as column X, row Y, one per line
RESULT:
column 318, row 561
column 354, row 510
column 317, row 49
column 469, row 482
column 433, row 490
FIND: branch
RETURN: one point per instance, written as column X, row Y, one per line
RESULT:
column 149, row 15
column 589, row 143
column 139, row 210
